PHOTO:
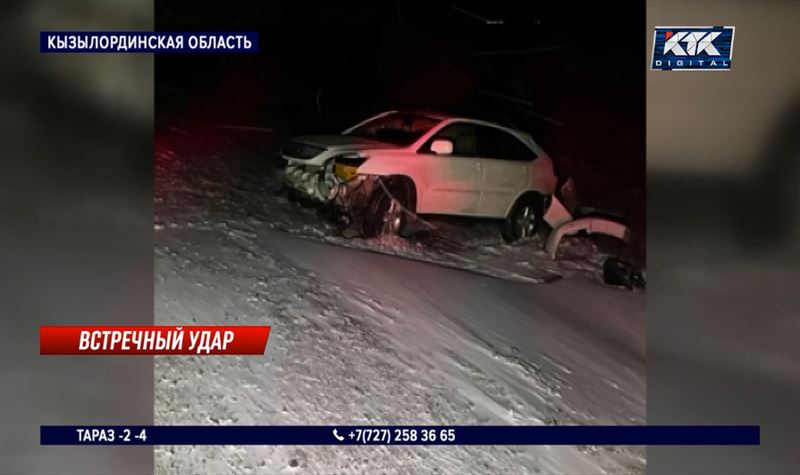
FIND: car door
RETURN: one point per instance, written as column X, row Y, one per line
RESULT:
column 452, row 182
column 506, row 164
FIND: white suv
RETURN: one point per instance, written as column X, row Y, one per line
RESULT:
column 397, row 164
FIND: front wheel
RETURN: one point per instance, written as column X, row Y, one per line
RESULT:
column 524, row 220
column 385, row 214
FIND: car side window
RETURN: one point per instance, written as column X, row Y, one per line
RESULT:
column 463, row 137
column 496, row 143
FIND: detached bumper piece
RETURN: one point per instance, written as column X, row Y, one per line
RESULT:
column 596, row 225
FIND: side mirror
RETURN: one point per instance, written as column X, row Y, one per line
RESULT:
column 442, row 147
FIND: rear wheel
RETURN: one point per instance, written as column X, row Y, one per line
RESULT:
column 524, row 220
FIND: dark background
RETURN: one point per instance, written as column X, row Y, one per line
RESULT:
column 572, row 81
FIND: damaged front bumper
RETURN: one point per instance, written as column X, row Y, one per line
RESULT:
column 312, row 181
column 334, row 185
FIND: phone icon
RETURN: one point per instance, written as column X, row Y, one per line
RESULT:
column 338, row 437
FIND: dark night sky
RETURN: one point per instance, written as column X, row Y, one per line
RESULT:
column 322, row 66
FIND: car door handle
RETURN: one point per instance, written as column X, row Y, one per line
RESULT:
column 477, row 165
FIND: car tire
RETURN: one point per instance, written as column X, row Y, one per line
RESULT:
column 525, row 218
column 386, row 213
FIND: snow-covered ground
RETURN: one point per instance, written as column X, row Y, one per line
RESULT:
column 455, row 328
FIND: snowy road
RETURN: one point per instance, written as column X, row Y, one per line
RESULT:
column 362, row 338
column 365, row 338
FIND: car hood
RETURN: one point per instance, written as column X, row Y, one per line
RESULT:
column 342, row 142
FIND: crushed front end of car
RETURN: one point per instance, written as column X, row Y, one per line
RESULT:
column 315, row 182
column 353, row 192
column 330, row 182
column 307, row 170
column 310, row 162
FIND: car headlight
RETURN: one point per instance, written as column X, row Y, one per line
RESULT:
column 346, row 165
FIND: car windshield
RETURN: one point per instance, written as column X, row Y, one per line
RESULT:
column 399, row 128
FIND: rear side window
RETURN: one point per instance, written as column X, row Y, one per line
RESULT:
column 495, row 143
column 463, row 137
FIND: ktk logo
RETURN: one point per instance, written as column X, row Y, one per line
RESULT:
column 708, row 48
column 696, row 43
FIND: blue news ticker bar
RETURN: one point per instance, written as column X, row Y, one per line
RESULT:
column 400, row 435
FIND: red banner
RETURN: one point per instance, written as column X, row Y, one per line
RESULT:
column 153, row 340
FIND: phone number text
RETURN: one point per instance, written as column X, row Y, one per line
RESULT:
column 402, row 436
